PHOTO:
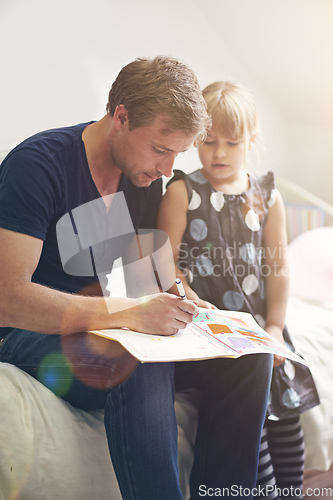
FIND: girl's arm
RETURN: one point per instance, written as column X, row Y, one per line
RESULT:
column 277, row 275
column 172, row 218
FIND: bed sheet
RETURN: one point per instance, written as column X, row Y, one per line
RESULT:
column 48, row 448
column 51, row 450
column 310, row 324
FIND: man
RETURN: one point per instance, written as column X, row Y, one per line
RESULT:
column 155, row 111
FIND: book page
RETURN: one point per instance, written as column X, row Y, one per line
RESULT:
column 240, row 332
column 186, row 344
column 212, row 334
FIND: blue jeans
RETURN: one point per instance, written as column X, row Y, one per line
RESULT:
column 140, row 418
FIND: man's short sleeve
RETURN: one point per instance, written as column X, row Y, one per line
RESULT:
column 30, row 190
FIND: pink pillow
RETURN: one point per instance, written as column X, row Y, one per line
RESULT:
column 311, row 264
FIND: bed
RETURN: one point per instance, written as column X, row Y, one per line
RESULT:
column 50, row 450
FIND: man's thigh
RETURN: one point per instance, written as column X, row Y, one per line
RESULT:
column 77, row 367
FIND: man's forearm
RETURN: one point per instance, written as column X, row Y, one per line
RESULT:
column 31, row 306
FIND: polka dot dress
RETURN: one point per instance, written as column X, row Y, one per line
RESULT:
column 222, row 256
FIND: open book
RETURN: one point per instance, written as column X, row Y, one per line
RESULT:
column 212, row 334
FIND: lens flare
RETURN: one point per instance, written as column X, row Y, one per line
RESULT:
column 55, row 373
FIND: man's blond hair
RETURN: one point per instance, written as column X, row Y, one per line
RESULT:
column 163, row 85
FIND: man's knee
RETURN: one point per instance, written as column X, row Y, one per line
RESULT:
column 151, row 380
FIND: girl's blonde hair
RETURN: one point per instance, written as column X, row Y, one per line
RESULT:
column 233, row 110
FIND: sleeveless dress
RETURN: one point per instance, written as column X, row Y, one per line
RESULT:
column 222, row 256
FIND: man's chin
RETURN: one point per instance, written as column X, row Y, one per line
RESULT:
column 150, row 178
column 141, row 180
column 144, row 180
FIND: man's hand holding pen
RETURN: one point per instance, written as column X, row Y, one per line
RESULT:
column 160, row 314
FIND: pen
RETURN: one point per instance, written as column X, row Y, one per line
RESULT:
column 180, row 287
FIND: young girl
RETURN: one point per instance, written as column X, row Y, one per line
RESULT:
column 227, row 231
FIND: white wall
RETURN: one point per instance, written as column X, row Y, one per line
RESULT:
column 60, row 58
column 310, row 158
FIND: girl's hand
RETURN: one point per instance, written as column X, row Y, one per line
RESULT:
column 278, row 360
column 205, row 304
column 277, row 334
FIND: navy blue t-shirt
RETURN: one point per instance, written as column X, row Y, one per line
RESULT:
column 47, row 176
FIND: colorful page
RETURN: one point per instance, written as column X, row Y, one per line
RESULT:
column 240, row 332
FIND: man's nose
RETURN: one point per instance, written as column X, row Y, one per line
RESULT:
column 166, row 165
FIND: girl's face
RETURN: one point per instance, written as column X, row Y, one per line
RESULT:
column 223, row 157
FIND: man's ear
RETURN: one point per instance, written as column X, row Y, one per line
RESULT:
column 120, row 117
column 198, row 142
